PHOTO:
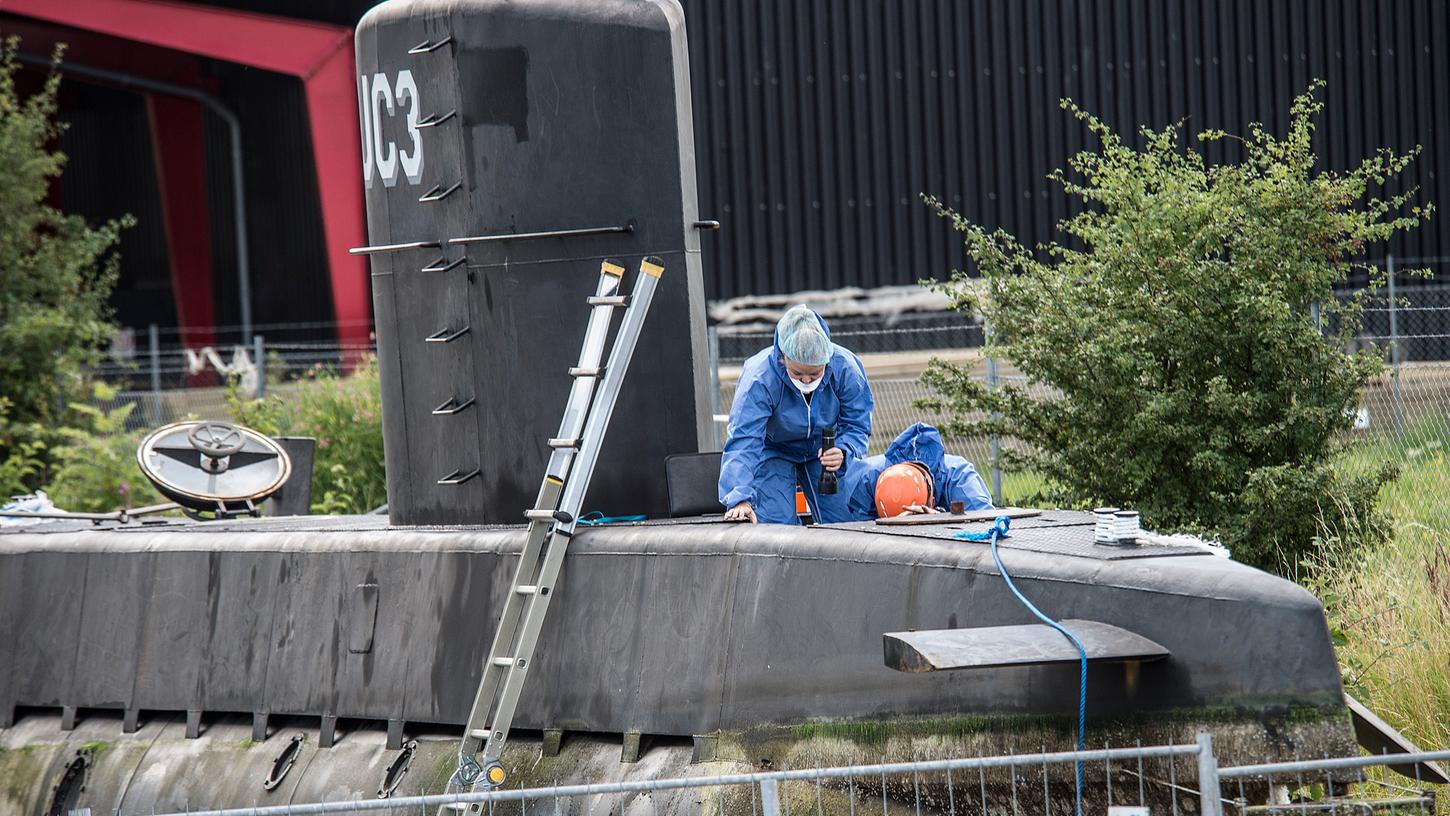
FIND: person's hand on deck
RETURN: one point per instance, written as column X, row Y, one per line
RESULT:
column 741, row 512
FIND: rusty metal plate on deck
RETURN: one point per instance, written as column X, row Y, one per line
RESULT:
column 958, row 518
column 1032, row 644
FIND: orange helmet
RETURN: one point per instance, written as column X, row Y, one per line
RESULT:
column 901, row 485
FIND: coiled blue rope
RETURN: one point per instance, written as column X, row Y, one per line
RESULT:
column 999, row 531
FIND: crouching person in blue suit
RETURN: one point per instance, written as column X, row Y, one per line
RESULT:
column 952, row 477
column 787, row 395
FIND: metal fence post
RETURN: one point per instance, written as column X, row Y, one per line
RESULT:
column 1208, row 784
column 712, row 336
column 1394, row 342
column 996, row 440
column 154, row 335
column 259, row 351
column 769, row 798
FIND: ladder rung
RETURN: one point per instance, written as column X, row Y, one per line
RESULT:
column 548, row 515
column 526, row 589
column 479, row 733
column 585, row 372
column 609, row 300
column 456, row 806
column 503, row 661
column 564, row 443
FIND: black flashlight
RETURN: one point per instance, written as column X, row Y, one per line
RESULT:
column 828, row 477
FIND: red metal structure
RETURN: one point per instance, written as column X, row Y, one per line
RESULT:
column 162, row 41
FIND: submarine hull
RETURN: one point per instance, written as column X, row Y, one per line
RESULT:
column 673, row 628
column 674, row 648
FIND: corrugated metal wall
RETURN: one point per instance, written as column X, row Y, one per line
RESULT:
column 819, row 123
column 288, row 258
column 111, row 172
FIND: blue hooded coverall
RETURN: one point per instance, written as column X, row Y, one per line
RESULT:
column 774, row 435
column 954, row 478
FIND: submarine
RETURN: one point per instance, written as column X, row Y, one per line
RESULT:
column 508, row 149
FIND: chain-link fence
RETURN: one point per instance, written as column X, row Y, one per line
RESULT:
column 156, row 359
column 168, row 382
column 152, row 409
column 869, row 335
column 1403, row 416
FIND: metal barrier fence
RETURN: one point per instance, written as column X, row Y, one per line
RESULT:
column 1177, row 779
column 1013, row 784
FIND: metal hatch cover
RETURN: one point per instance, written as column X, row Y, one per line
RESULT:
column 206, row 465
column 1032, row 644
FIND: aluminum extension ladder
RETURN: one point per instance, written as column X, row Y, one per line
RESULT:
column 552, row 521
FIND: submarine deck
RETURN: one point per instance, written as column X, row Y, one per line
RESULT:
column 669, row 627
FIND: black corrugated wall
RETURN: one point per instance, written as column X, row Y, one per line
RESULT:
column 818, row 124
column 288, row 257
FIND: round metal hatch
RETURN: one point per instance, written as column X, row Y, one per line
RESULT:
column 216, row 467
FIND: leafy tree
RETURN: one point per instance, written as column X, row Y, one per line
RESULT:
column 56, row 274
column 1171, row 342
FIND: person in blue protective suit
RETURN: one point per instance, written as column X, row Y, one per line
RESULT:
column 952, row 477
column 787, row 396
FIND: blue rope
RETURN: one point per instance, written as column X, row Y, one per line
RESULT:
column 998, row 528
column 999, row 531
column 597, row 517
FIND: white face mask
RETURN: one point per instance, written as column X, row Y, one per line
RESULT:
column 806, row 388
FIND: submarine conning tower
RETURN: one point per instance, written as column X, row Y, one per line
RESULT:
column 508, row 149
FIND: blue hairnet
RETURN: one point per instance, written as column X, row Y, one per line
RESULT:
column 802, row 338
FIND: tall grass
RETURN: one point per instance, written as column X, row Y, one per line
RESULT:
column 1389, row 603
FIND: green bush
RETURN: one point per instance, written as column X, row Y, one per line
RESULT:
column 56, row 274
column 96, row 470
column 21, row 450
column 344, row 414
column 1185, row 374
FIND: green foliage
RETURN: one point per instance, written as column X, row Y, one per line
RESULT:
column 56, row 274
column 344, row 414
column 20, row 454
column 1388, row 604
column 95, row 469
column 1175, row 364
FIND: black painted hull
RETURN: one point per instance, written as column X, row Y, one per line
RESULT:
column 677, row 629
